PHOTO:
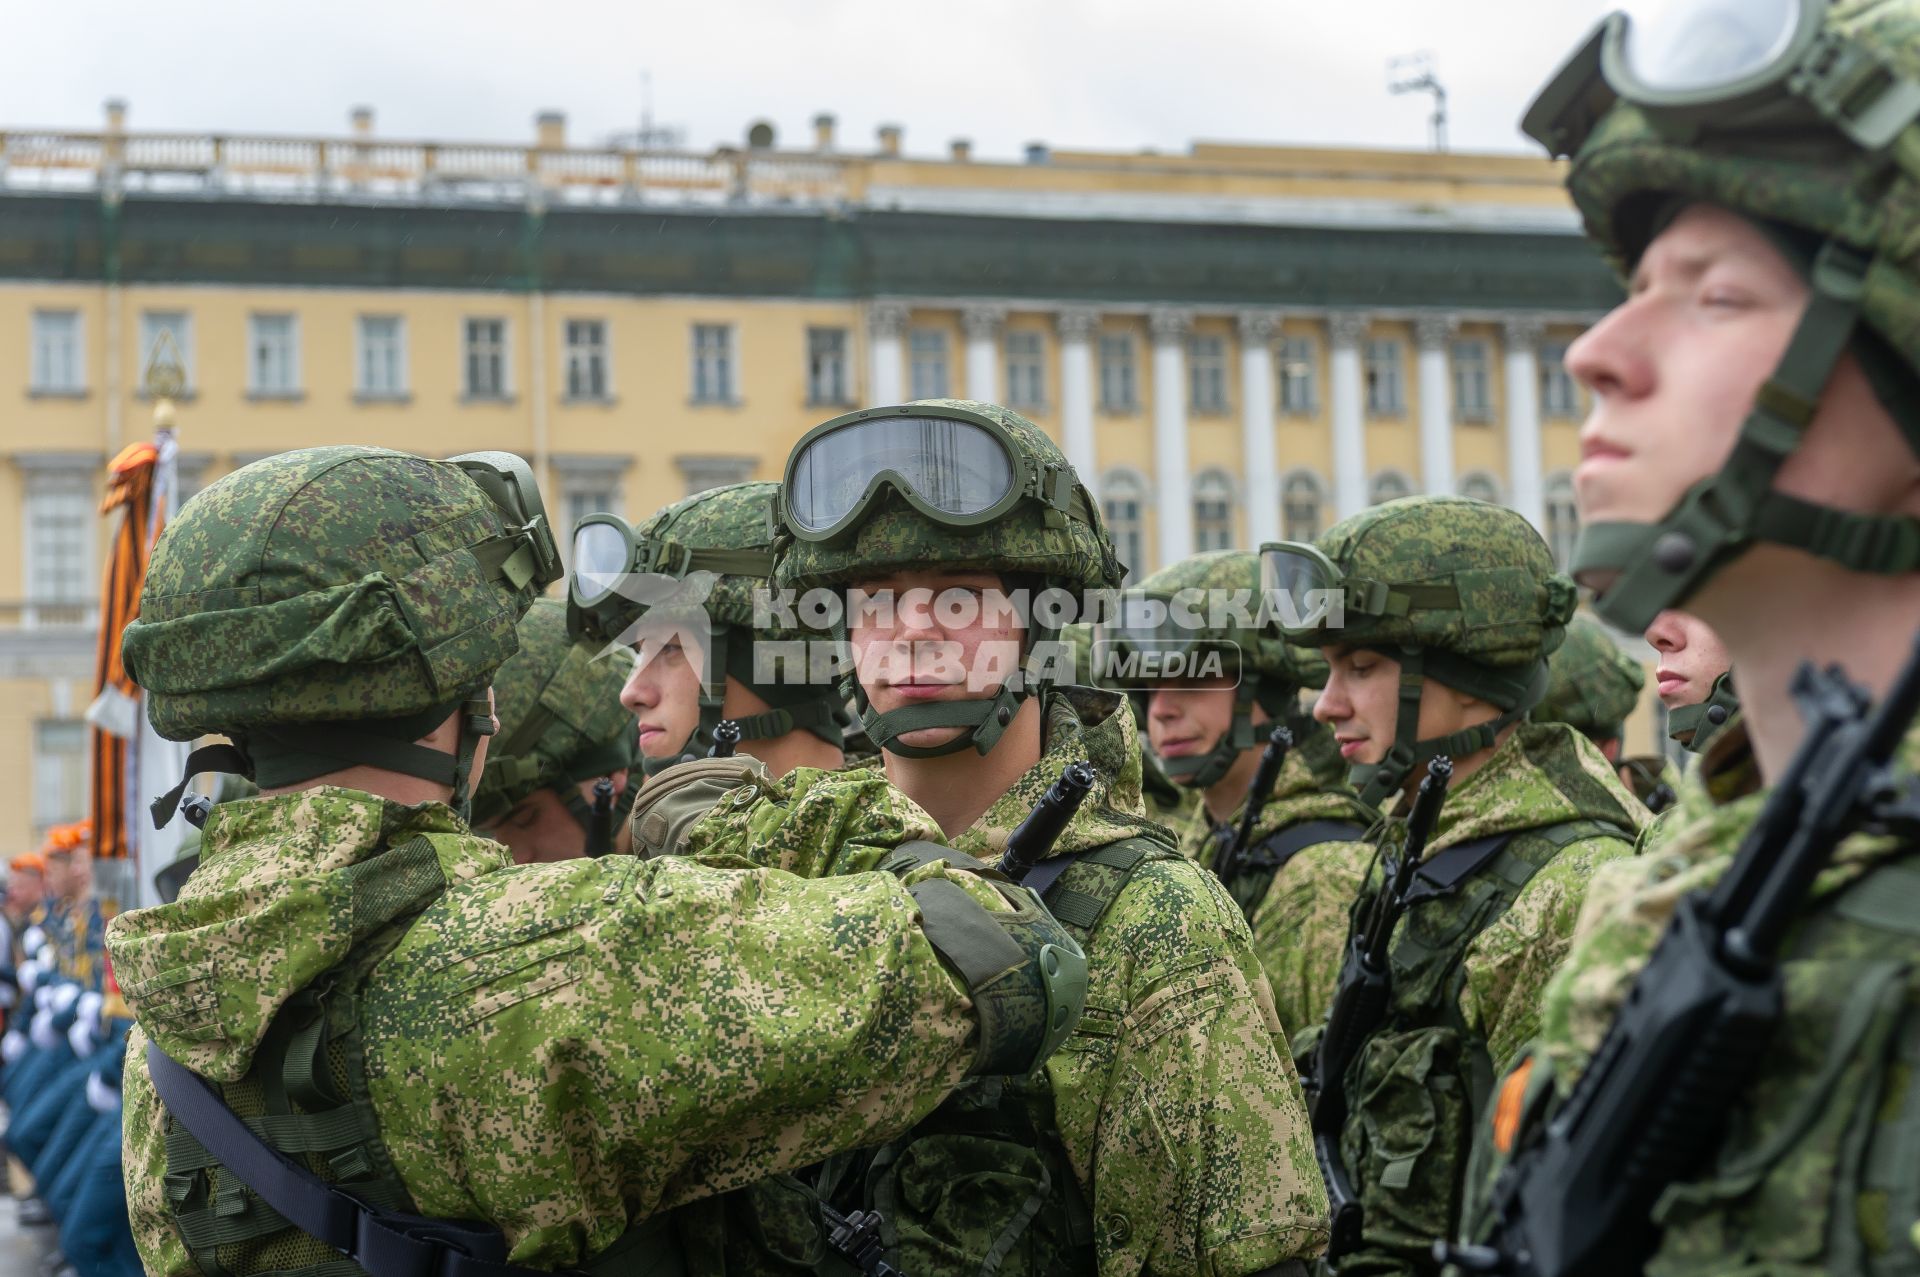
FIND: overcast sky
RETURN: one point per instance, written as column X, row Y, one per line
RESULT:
column 1102, row 74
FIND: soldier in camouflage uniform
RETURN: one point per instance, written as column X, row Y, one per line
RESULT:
column 1695, row 678
column 680, row 589
column 1168, row 803
column 1592, row 686
column 562, row 733
column 1451, row 608
column 1767, row 357
column 558, row 1052
column 1168, row 1135
column 1306, row 858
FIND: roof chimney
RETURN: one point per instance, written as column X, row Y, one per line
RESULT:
column 1037, row 153
column 116, row 115
column 550, row 130
column 362, row 117
column 890, row 140
column 823, row 131
column 760, row 136
column 962, row 150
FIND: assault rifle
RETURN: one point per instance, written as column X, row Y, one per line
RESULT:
column 1653, row 1102
column 1272, row 758
column 1360, row 1004
column 726, row 739
column 1029, row 844
column 600, row 823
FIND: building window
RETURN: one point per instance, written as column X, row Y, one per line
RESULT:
column 1119, row 384
column 1123, row 496
column 713, row 363
column 1481, row 486
column 1472, row 394
column 1563, row 518
column 1299, row 388
column 1026, row 370
column 273, row 355
column 586, row 359
column 57, row 366
column 381, row 360
column 1212, row 511
column 1207, row 373
column 1559, row 396
column 176, row 324
column 704, row 472
column 1388, row 485
column 1300, row 504
column 590, row 498
column 1386, row 394
column 927, row 356
column 59, row 772
column 60, row 519
column 486, row 359
column 827, row 366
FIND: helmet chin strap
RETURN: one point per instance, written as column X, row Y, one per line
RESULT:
column 812, row 714
column 1694, row 726
column 476, row 720
column 1379, row 782
column 984, row 720
column 1204, row 771
column 1661, row 565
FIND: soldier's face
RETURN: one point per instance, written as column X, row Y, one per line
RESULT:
column 1361, row 702
column 1187, row 718
column 1691, row 657
column 26, row 889
column 663, row 693
column 923, row 637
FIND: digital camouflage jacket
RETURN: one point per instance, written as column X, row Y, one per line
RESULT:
column 1467, row 968
column 1817, row 1171
column 562, row 1050
column 1175, row 1101
column 1298, row 914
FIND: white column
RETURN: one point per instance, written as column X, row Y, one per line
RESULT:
column 982, row 324
column 1172, row 485
column 1076, row 328
column 1346, row 332
column 1432, row 333
column 1260, row 467
column 886, row 373
column 1522, row 334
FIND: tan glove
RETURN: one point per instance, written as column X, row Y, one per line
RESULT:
column 671, row 802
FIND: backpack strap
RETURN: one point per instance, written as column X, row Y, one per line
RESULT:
column 1085, row 895
column 1276, row 851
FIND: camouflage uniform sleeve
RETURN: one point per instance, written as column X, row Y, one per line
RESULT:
column 565, row 1048
column 1300, row 930
column 143, row 1164
column 1176, row 1099
column 812, row 823
column 1508, row 965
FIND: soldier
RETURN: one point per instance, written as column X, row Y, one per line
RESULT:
column 558, row 1052
column 1753, row 455
column 26, row 901
column 1303, row 862
column 681, row 589
column 1168, row 1135
column 76, row 925
column 1169, row 804
column 1694, row 678
column 565, row 745
column 1449, row 609
column 1592, row 686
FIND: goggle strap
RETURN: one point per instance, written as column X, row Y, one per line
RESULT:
column 508, row 558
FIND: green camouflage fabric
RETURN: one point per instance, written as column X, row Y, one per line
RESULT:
column 1299, row 915
column 1505, row 616
column 1467, row 978
column 322, row 585
column 561, row 720
column 1628, row 169
column 563, row 1050
column 736, row 516
column 1592, row 686
column 1175, row 1100
column 895, row 537
column 1194, row 581
column 1816, row 1173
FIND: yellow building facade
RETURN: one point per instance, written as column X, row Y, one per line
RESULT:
column 1232, row 345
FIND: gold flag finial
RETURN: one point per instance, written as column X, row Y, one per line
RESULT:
column 166, row 374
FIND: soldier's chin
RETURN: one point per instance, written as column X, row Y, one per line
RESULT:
column 931, row 737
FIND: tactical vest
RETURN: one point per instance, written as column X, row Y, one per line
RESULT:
column 981, row 1186
column 1419, row 1085
column 306, row 1097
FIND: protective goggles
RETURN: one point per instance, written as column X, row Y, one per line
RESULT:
column 619, row 574
column 508, row 482
column 1305, row 594
column 1724, row 67
column 1179, row 622
column 958, row 468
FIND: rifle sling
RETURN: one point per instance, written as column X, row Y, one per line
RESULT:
column 1275, row 852
column 1444, row 871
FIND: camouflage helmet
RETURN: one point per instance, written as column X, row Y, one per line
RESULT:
column 1458, row 590
column 702, row 561
column 1817, row 143
column 1592, row 686
column 1211, row 603
column 330, row 606
column 561, row 720
column 1041, row 527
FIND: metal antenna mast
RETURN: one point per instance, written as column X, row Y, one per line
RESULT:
column 1414, row 74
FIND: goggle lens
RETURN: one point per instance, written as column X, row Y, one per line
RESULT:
column 1695, row 46
column 602, row 554
column 956, row 467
